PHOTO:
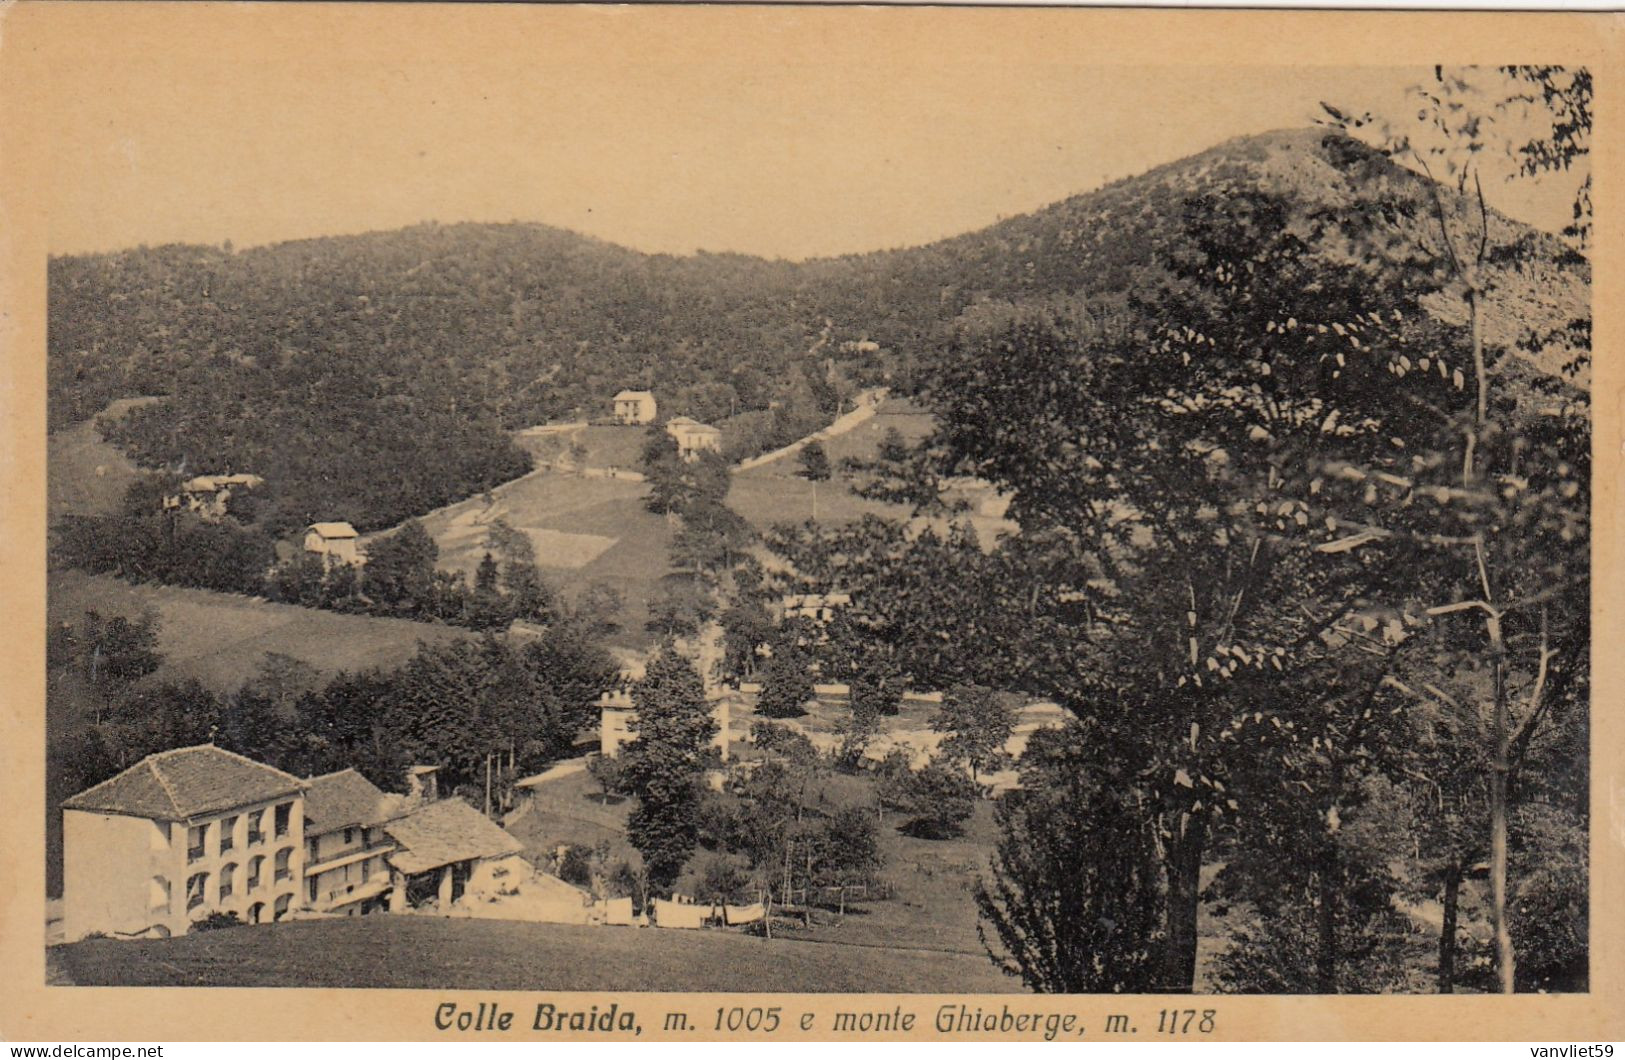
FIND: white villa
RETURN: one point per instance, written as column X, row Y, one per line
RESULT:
column 635, row 406
column 694, row 437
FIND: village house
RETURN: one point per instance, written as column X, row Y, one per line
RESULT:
column 334, row 542
column 178, row 836
column 820, row 607
column 210, row 495
column 616, row 716
column 694, row 437
column 635, row 407
column 447, row 850
column 346, row 846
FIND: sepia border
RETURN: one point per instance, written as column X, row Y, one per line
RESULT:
column 47, row 50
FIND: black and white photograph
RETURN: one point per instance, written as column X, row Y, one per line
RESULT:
column 816, row 518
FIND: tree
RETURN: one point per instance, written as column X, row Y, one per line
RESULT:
column 400, row 568
column 978, row 723
column 1507, row 469
column 814, row 468
column 665, row 764
column 679, row 608
column 487, row 609
column 663, row 469
column 1074, row 898
column 606, row 771
column 786, row 683
column 942, row 798
column 894, row 783
column 850, row 848
column 893, row 449
column 116, row 652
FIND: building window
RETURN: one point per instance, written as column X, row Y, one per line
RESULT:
column 254, row 833
column 254, row 864
column 255, row 912
column 349, row 836
column 282, row 904
column 366, row 869
column 284, row 871
column 197, row 838
column 284, row 819
column 313, row 880
column 228, row 834
column 195, row 888
column 226, row 880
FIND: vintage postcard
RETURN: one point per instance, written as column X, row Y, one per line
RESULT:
column 789, row 523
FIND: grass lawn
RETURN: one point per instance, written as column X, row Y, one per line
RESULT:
column 220, row 639
column 422, row 952
column 606, row 445
column 84, row 474
column 584, row 530
column 572, row 810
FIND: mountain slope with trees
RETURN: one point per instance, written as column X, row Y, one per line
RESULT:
column 374, row 377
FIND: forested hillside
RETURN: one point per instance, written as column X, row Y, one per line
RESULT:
column 373, row 377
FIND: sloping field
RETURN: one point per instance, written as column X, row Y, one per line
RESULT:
column 421, row 952
column 220, row 639
column 601, row 445
column 84, row 474
column 585, row 530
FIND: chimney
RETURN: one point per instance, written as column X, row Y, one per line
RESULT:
column 422, row 784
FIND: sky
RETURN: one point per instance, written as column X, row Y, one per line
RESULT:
column 791, row 140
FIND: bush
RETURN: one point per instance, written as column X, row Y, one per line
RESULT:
column 576, row 866
column 216, row 920
column 943, row 798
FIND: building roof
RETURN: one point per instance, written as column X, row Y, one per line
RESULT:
column 634, row 395
column 445, row 832
column 334, row 530
column 344, row 800
column 211, row 483
column 184, row 783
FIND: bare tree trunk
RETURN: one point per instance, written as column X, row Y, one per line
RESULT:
column 1447, row 932
column 1505, row 960
column 1184, row 872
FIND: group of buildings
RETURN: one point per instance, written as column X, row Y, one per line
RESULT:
column 639, row 408
column 193, row 832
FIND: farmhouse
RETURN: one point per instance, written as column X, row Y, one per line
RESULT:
column 694, row 437
column 635, row 406
column 210, row 495
column 334, row 542
column 448, row 849
column 178, row 836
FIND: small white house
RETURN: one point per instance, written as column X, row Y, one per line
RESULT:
column 694, row 437
column 635, row 406
column 334, row 542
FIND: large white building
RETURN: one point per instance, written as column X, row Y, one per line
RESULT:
column 187, row 833
column 178, row 836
